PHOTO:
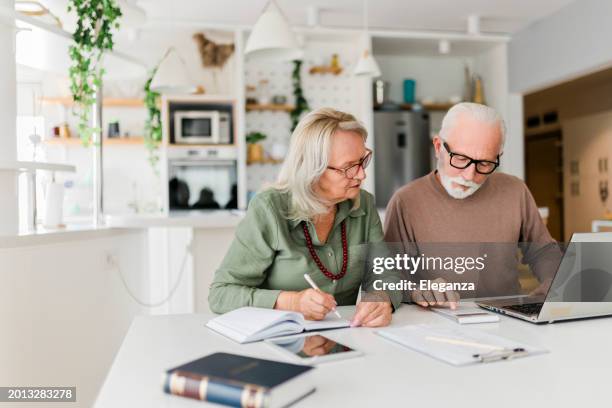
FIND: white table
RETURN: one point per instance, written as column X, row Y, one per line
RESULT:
column 597, row 225
column 576, row 372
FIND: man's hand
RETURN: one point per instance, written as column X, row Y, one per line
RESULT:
column 312, row 303
column 372, row 314
column 542, row 289
column 428, row 298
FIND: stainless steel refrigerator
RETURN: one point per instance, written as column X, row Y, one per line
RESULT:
column 402, row 151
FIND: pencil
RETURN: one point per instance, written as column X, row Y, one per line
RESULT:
column 315, row 287
column 463, row 343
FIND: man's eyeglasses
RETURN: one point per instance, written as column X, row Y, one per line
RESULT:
column 352, row 170
column 460, row 161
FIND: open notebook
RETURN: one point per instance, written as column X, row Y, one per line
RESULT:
column 249, row 324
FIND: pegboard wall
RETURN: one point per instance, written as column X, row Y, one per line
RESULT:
column 321, row 90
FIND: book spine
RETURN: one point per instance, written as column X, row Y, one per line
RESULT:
column 215, row 390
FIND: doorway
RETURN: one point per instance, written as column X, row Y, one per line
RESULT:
column 544, row 176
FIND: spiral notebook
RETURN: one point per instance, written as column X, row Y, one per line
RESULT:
column 458, row 345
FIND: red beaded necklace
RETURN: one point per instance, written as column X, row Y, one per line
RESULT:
column 315, row 257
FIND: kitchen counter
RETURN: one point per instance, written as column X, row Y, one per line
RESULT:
column 216, row 219
column 193, row 219
column 46, row 236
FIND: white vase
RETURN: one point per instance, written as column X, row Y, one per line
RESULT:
column 54, row 202
column 278, row 151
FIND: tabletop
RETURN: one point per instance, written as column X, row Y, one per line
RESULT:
column 574, row 373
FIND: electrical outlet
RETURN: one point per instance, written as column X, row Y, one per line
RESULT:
column 110, row 260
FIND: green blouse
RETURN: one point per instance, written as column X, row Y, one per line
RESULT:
column 269, row 254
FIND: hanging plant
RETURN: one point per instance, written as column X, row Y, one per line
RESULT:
column 301, row 104
column 153, row 127
column 92, row 38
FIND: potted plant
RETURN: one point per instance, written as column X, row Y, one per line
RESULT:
column 92, row 38
column 153, row 127
column 255, row 153
column 301, row 104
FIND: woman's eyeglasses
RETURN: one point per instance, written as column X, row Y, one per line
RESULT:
column 352, row 170
column 460, row 161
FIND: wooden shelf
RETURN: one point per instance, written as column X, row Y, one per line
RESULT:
column 325, row 69
column 191, row 146
column 73, row 141
column 270, row 107
column 441, row 107
column 267, row 160
column 108, row 102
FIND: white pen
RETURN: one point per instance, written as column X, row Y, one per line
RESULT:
column 315, row 287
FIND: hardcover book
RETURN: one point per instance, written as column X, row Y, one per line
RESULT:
column 240, row 381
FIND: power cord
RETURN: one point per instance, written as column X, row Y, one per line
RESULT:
column 113, row 262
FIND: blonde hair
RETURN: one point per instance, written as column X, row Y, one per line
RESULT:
column 308, row 158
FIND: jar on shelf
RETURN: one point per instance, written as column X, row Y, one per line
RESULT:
column 251, row 95
column 263, row 91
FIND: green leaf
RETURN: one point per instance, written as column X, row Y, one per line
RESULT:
column 92, row 36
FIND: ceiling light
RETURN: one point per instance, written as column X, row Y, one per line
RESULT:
column 272, row 38
column 132, row 15
column 171, row 76
column 366, row 65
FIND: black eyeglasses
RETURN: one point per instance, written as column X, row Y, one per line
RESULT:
column 351, row 171
column 460, row 161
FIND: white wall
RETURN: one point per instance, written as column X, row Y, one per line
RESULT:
column 8, row 152
column 492, row 66
column 64, row 311
column 209, row 248
column 437, row 77
column 568, row 44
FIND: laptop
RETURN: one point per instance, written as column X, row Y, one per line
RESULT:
column 581, row 288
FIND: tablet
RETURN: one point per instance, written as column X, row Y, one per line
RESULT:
column 312, row 348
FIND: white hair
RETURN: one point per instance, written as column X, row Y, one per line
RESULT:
column 481, row 113
column 308, row 158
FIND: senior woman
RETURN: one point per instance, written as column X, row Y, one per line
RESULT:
column 311, row 221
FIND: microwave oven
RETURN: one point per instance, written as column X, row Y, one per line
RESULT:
column 202, row 127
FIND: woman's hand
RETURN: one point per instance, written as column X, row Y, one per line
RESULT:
column 317, row 345
column 372, row 314
column 312, row 303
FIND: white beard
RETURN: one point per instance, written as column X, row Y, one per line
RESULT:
column 458, row 193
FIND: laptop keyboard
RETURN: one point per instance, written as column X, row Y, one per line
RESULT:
column 528, row 309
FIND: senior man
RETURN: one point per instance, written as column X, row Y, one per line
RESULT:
column 466, row 201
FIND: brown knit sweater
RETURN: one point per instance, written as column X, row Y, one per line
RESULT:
column 501, row 216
